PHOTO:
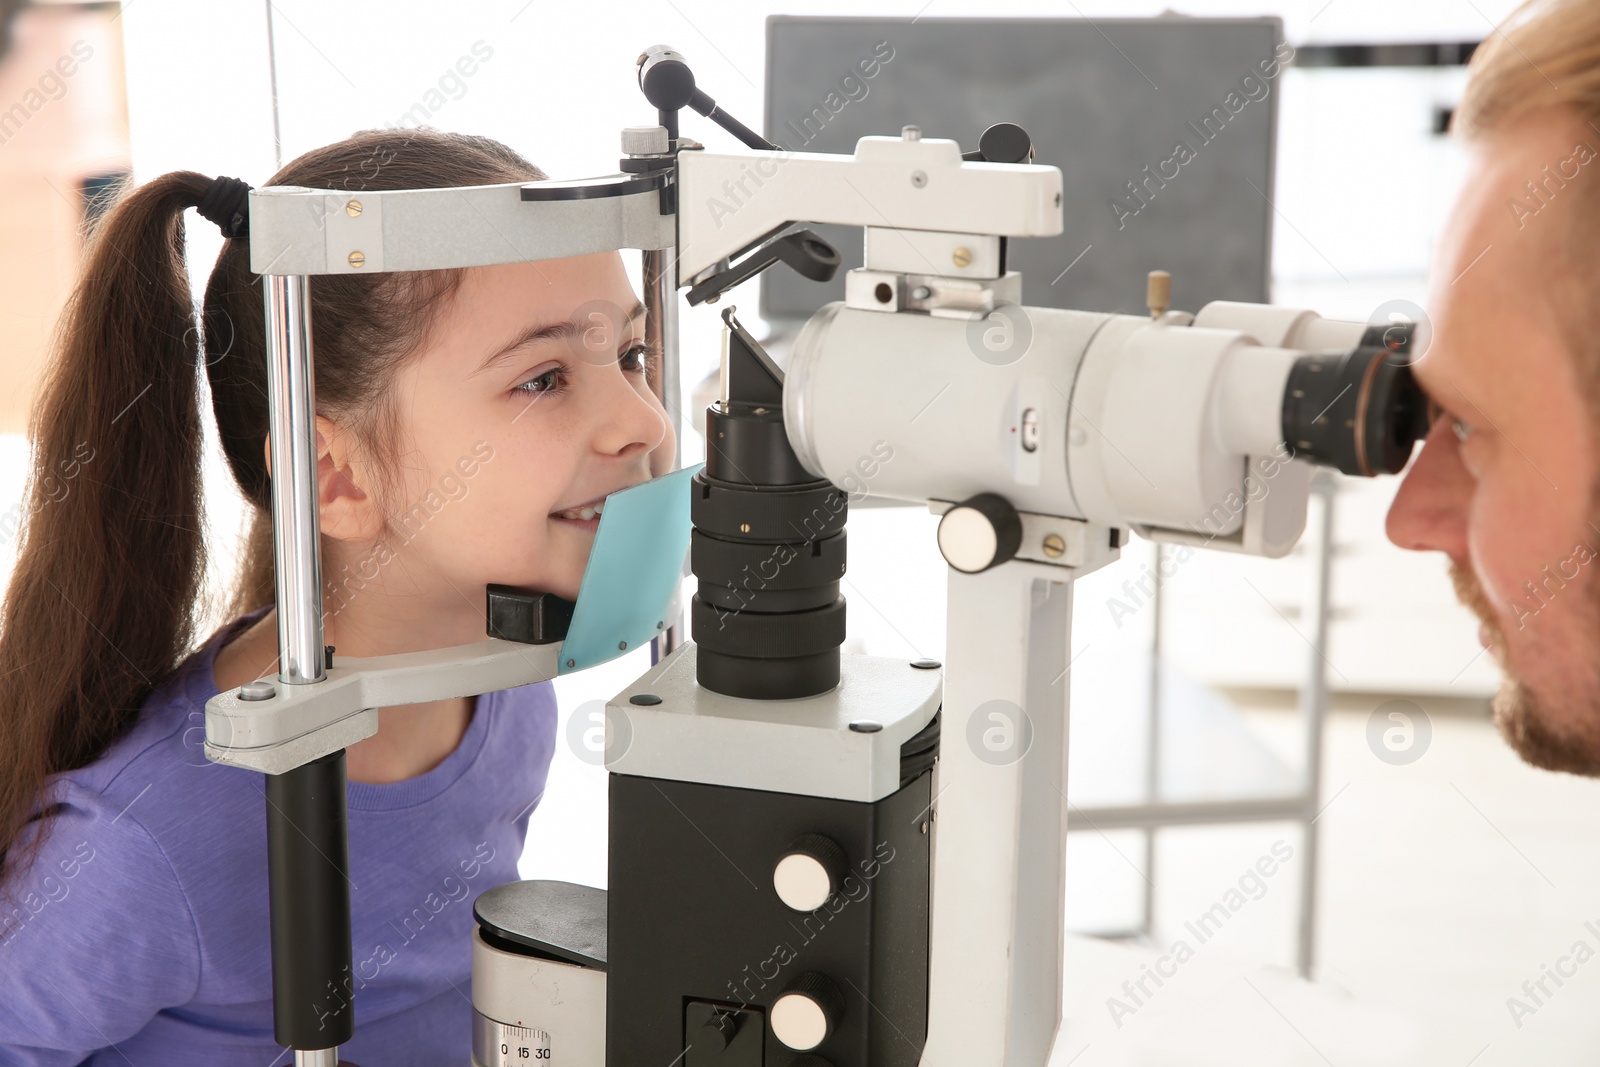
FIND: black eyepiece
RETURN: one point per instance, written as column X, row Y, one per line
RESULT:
column 1360, row 411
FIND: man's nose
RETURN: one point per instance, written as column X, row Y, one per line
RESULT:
column 1429, row 512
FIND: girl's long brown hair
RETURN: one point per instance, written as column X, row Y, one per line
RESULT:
column 103, row 605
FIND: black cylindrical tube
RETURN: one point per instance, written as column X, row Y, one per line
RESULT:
column 1360, row 411
column 308, row 878
column 768, row 546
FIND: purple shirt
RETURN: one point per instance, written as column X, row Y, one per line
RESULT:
column 140, row 934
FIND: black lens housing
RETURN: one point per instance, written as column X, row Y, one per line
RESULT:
column 1360, row 411
column 768, row 547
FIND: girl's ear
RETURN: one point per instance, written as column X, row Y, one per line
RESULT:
column 347, row 509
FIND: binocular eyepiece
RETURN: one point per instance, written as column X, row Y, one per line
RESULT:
column 1359, row 411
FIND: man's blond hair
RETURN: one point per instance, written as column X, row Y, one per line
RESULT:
column 1545, row 54
column 1543, row 59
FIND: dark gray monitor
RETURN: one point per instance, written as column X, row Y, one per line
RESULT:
column 1108, row 101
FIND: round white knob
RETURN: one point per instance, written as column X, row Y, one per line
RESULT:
column 798, row 1021
column 802, row 883
column 981, row 532
column 806, row 1012
column 809, row 872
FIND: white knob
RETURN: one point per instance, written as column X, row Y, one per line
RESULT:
column 982, row 532
column 806, row 1012
column 802, row 882
column 809, row 872
column 798, row 1021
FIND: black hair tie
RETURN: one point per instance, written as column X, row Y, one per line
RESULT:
column 227, row 204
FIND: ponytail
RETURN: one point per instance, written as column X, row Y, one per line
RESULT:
column 101, row 607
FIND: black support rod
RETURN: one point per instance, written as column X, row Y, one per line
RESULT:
column 308, row 870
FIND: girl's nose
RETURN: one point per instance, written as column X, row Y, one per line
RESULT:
column 632, row 420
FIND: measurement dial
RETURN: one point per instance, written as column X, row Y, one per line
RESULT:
column 497, row 1044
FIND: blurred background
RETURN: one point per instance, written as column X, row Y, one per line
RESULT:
column 1208, row 729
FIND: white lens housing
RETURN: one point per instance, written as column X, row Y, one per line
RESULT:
column 1171, row 427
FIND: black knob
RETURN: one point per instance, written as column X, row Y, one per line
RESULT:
column 981, row 532
column 666, row 79
column 809, row 872
column 1004, row 142
column 719, row 1028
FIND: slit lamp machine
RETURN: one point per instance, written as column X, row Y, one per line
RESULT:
column 890, row 886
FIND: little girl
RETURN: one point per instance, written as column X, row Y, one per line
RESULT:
column 133, row 882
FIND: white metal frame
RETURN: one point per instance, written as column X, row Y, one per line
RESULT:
column 1302, row 807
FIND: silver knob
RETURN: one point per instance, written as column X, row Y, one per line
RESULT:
column 260, row 689
column 644, row 140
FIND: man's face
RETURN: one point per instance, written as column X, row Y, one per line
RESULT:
column 1504, row 483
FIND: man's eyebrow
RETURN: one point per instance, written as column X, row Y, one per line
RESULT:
column 550, row 331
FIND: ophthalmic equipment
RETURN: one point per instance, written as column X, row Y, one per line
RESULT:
column 814, row 858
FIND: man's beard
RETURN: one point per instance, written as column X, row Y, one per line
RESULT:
column 1523, row 720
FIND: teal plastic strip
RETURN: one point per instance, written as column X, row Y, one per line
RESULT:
column 633, row 571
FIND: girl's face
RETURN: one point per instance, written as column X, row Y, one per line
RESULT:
column 530, row 398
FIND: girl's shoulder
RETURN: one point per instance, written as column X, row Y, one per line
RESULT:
column 101, row 905
column 170, row 730
column 99, row 910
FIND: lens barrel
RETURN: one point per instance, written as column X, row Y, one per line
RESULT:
column 1360, row 411
column 768, row 546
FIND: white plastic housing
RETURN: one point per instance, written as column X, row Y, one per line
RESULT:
column 1172, row 429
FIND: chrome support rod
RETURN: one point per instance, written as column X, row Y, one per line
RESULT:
column 661, row 327
column 291, row 420
column 308, row 897
column 660, row 270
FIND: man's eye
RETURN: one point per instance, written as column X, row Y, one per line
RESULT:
column 1460, row 427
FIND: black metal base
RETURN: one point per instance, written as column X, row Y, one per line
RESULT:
column 701, row 945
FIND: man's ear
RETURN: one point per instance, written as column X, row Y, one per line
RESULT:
column 346, row 508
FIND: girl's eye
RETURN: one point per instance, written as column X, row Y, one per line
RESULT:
column 549, row 383
column 636, row 359
column 639, row 356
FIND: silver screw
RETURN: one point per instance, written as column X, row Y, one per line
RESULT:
column 911, row 133
column 919, row 179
